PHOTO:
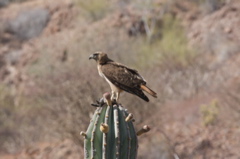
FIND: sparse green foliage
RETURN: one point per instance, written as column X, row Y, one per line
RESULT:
column 171, row 44
column 174, row 41
column 209, row 113
column 10, row 122
column 95, row 9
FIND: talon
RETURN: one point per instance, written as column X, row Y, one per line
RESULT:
column 94, row 105
column 114, row 101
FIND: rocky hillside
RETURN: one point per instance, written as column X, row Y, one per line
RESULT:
column 188, row 51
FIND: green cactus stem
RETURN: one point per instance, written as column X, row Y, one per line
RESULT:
column 109, row 136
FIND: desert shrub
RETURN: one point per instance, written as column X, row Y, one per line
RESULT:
column 209, row 113
column 174, row 41
column 95, row 9
column 172, row 44
column 22, row 124
column 7, row 119
column 12, row 119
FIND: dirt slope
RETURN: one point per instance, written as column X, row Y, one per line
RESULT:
column 180, row 126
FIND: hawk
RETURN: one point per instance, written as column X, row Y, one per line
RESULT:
column 121, row 78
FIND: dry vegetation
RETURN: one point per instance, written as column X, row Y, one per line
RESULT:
column 47, row 99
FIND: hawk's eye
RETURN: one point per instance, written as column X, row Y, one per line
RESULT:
column 95, row 55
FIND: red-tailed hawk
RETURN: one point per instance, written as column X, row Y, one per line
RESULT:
column 121, row 78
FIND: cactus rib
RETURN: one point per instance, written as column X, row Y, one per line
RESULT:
column 116, row 129
column 104, row 134
column 119, row 142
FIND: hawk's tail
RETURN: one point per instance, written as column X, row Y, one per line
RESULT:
column 148, row 90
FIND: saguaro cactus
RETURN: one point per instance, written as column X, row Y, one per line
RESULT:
column 110, row 134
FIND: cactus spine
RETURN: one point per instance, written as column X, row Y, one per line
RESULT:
column 110, row 135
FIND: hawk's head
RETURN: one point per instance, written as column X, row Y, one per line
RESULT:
column 100, row 57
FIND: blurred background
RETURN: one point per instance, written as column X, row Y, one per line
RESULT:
column 187, row 50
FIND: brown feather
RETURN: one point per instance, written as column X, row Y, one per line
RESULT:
column 121, row 77
column 124, row 78
column 148, row 90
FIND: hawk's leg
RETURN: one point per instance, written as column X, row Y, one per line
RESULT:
column 113, row 96
column 117, row 96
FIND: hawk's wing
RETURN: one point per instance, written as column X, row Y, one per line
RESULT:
column 125, row 78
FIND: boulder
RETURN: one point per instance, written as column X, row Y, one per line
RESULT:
column 29, row 24
column 4, row 3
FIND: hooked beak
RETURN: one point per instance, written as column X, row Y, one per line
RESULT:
column 91, row 57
